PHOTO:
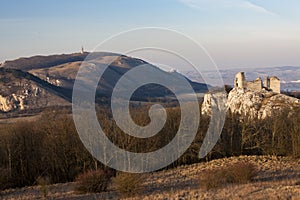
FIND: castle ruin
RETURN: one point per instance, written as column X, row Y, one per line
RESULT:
column 270, row 83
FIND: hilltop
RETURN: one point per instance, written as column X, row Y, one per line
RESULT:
column 37, row 62
column 56, row 75
column 254, row 99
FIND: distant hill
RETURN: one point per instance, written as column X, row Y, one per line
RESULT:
column 39, row 62
column 61, row 70
column 56, row 75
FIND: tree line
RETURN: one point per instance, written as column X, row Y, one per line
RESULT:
column 50, row 146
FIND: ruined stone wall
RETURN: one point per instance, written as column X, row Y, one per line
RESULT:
column 270, row 83
column 255, row 85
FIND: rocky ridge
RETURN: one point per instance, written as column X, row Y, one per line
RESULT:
column 20, row 91
column 253, row 104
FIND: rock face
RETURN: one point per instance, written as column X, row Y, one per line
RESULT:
column 20, row 91
column 29, row 97
column 253, row 104
column 216, row 100
column 11, row 102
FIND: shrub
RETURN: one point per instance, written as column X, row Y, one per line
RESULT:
column 240, row 172
column 94, row 181
column 43, row 182
column 212, row 179
column 128, row 184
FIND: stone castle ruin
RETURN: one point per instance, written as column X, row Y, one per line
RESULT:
column 270, row 83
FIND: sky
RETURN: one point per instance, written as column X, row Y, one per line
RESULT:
column 236, row 33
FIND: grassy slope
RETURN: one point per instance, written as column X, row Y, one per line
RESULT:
column 278, row 178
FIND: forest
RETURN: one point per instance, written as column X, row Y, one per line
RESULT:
column 50, row 146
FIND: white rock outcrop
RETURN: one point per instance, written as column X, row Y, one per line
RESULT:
column 12, row 102
column 25, row 95
column 253, row 104
column 217, row 100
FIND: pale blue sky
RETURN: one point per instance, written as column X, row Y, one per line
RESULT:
column 237, row 33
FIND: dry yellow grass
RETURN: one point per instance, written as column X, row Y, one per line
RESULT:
column 278, row 178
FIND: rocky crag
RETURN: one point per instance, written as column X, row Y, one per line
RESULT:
column 20, row 91
column 253, row 104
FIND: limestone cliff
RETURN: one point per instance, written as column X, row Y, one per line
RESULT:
column 11, row 102
column 253, row 104
column 20, row 91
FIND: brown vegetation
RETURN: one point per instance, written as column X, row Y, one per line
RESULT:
column 50, row 147
column 240, row 172
column 277, row 178
column 128, row 184
column 94, row 181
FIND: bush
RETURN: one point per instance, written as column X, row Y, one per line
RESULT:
column 212, row 179
column 240, row 172
column 43, row 182
column 94, row 181
column 128, row 184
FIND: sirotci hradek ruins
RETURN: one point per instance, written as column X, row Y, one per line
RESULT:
column 270, row 83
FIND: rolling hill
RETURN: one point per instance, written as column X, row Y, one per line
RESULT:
column 55, row 76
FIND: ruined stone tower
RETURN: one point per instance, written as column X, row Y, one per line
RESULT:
column 272, row 83
column 240, row 80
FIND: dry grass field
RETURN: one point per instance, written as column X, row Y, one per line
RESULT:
column 276, row 178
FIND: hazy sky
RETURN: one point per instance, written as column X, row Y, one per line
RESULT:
column 237, row 33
